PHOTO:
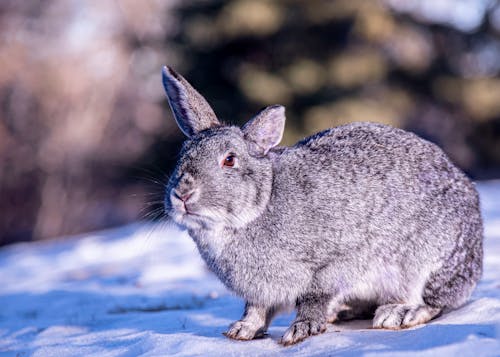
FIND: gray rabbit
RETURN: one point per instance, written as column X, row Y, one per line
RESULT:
column 359, row 220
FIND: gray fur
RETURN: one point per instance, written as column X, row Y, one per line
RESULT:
column 362, row 215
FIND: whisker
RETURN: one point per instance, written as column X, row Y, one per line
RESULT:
column 154, row 214
column 152, row 203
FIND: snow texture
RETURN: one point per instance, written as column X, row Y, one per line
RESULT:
column 143, row 290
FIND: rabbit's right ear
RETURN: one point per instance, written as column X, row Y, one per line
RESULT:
column 265, row 130
column 191, row 111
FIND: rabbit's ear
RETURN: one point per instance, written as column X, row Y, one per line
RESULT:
column 265, row 130
column 191, row 111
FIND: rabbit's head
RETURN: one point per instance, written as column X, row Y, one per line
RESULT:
column 224, row 175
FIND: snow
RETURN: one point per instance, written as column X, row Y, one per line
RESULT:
column 142, row 290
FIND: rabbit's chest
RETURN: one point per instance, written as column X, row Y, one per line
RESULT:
column 256, row 273
column 264, row 277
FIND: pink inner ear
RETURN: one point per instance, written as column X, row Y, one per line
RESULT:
column 266, row 128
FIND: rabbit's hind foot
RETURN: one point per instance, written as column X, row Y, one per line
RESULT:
column 398, row 316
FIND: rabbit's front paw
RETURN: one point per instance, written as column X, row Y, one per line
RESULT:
column 300, row 330
column 397, row 316
column 244, row 330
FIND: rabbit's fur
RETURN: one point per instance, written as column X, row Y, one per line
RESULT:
column 353, row 220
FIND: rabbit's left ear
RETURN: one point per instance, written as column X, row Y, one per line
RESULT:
column 191, row 111
column 265, row 130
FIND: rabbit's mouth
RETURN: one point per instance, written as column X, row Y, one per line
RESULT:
column 186, row 214
column 191, row 220
column 185, row 209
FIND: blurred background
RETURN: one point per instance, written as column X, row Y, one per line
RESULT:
column 86, row 136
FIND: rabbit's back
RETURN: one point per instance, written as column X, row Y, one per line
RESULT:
column 364, row 187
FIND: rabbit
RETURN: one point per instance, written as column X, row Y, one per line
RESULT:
column 360, row 220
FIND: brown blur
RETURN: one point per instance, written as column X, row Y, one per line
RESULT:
column 86, row 137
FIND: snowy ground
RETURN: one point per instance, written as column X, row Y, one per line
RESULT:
column 143, row 290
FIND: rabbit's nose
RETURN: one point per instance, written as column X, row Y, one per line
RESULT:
column 184, row 196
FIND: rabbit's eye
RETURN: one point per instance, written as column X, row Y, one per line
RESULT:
column 229, row 161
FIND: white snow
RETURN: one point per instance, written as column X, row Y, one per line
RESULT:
column 143, row 290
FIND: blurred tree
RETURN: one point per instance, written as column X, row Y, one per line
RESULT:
column 81, row 103
column 83, row 114
column 427, row 67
